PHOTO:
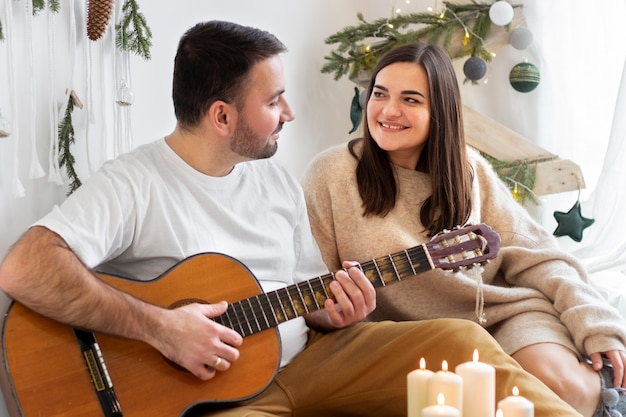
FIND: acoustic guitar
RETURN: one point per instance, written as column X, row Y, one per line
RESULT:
column 56, row 370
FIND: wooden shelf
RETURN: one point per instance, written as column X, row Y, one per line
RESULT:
column 553, row 174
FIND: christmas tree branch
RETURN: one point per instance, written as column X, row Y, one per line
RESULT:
column 39, row 5
column 358, row 47
column 137, row 39
column 519, row 176
column 66, row 140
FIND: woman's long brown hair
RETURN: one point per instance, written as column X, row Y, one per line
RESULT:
column 444, row 157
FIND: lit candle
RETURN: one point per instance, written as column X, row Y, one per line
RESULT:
column 440, row 409
column 448, row 383
column 516, row 406
column 479, row 388
column 416, row 389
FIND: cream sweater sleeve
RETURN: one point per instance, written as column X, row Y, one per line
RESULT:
column 531, row 257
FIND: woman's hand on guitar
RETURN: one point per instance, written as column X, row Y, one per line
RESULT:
column 354, row 294
column 192, row 340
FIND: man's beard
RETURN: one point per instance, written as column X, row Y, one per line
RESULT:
column 244, row 143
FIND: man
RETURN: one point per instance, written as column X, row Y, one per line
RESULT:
column 210, row 186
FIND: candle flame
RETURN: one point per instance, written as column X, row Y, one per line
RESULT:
column 422, row 364
column 475, row 356
column 515, row 391
column 444, row 366
column 499, row 413
column 441, row 399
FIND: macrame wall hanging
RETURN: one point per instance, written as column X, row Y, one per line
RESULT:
column 129, row 33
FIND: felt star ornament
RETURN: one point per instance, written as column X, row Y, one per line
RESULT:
column 572, row 223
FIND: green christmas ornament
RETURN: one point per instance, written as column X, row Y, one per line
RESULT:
column 524, row 77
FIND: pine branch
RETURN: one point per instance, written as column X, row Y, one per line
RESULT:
column 54, row 5
column 519, row 177
column 358, row 47
column 38, row 5
column 137, row 39
column 66, row 140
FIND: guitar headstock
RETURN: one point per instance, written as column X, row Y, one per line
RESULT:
column 463, row 247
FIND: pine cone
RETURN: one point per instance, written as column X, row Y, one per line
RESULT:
column 98, row 15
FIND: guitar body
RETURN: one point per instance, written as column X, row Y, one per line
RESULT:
column 49, row 376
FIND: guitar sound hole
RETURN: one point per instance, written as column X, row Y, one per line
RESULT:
column 186, row 301
column 177, row 304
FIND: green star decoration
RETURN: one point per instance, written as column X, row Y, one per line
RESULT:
column 572, row 223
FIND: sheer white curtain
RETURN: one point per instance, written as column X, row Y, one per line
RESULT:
column 582, row 117
column 605, row 246
column 578, row 111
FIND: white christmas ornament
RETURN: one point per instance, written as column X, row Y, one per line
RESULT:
column 521, row 38
column 501, row 13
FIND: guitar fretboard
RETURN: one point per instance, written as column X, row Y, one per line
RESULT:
column 267, row 310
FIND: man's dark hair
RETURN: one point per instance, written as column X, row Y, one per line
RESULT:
column 212, row 63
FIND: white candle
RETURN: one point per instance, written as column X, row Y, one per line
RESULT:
column 479, row 388
column 416, row 389
column 516, row 406
column 449, row 384
column 440, row 409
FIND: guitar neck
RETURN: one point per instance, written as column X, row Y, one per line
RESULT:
column 267, row 310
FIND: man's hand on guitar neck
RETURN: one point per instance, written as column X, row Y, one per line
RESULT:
column 355, row 298
column 190, row 338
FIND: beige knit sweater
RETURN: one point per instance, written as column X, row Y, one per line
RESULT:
column 532, row 292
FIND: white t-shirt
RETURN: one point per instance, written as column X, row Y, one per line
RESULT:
column 147, row 210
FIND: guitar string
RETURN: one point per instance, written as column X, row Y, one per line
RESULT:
column 294, row 304
column 253, row 310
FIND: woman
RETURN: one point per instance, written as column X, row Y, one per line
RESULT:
column 411, row 176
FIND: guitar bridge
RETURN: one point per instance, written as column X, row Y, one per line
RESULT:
column 99, row 374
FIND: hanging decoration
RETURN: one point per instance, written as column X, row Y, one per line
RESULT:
column 356, row 110
column 17, row 187
column 572, row 223
column 66, row 140
column 66, row 132
column 5, row 126
column 524, row 77
column 133, row 33
column 521, row 38
column 35, row 170
column 132, row 36
column 54, row 172
column 474, row 68
column 98, row 16
column 39, row 5
column 501, row 13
